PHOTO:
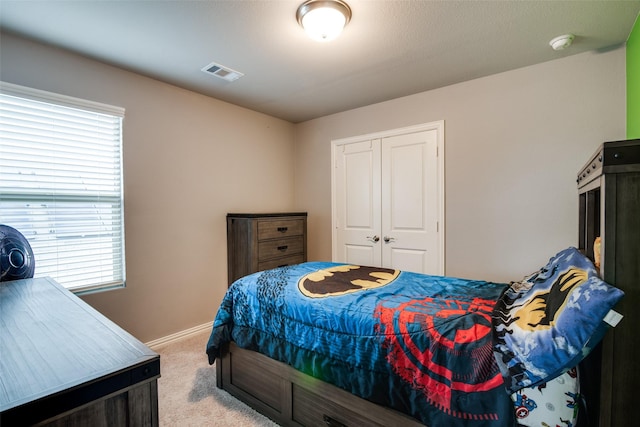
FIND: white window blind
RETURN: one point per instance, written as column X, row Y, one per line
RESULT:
column 61, row 185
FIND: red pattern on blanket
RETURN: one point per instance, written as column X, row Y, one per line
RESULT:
column 466, row 338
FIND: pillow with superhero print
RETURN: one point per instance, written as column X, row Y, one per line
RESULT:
column 547, row 323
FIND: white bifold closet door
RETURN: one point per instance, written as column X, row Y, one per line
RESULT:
column 387, row 200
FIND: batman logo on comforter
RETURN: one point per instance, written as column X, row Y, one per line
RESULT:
column 344, row 279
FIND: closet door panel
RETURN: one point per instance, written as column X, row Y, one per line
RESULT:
column 358, row 203
column 410, row 202
column 407, row 259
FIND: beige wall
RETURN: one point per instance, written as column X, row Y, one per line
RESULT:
column 513, row 143
column 188, row 160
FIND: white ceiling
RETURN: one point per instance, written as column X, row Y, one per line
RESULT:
column 388, row 50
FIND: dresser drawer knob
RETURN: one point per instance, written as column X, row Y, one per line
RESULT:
column 283, row 229
column 283, row 248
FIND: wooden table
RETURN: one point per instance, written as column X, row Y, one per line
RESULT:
column 63, row 363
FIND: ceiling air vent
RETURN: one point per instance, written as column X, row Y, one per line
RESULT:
column 222, row 72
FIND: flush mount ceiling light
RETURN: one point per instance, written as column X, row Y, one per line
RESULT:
column 562, row 42
column 323, row 20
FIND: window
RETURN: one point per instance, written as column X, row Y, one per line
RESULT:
column 61, row 185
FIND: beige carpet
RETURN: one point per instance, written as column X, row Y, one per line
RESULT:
column 187, row 392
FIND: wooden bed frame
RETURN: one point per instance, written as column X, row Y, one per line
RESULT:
column 291, row 398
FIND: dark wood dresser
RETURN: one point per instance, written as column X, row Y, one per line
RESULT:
column 257, row 242
column 62, row 363
column 609, row 200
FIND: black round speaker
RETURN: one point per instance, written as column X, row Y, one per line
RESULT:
column 16, row 256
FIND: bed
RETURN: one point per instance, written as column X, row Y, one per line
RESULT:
column 322, row 343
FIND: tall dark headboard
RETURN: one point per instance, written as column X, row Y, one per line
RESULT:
column 609, row 208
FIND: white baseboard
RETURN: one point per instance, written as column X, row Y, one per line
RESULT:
column 179, row 335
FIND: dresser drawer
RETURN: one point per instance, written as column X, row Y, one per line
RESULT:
column 280, row 247
column 280, row 228
column 280, row 262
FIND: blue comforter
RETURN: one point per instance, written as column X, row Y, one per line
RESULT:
column 419, row 344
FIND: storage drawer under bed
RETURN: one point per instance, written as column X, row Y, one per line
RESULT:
column 313, row 410
column 292, row 398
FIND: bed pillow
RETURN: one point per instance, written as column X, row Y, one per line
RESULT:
column 548, row 322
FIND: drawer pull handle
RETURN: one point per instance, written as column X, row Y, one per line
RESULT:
column 283, row 229
column 331, row 422
column 283, row 248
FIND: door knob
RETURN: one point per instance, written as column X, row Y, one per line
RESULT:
column 374, row 239
column 388, row 239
